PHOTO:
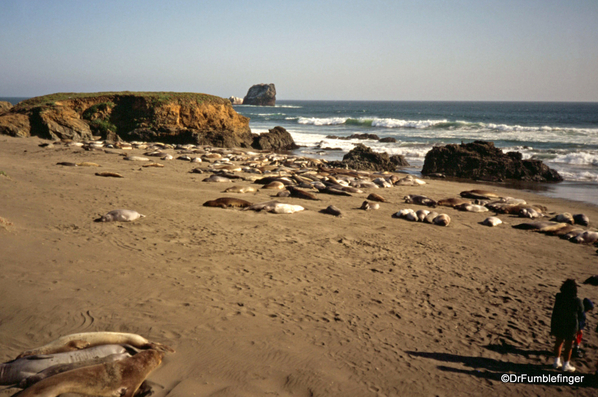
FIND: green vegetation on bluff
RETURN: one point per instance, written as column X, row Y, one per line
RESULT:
column 156, row 98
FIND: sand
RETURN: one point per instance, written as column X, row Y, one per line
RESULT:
column 260, row 304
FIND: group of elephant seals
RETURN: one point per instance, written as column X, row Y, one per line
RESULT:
column 120, row 216
column 89, row 339
column 421, row 200
column 22, row 368
column 118, row 378
column 227, row 202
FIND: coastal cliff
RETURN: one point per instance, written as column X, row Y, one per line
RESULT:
column 150, row 116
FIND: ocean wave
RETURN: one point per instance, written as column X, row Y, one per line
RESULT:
column 578, row 158
column 584, row 176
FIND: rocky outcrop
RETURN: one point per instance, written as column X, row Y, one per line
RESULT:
column 168, row 117
column 366, row 136
column 5, row 106
column 235, row 100
column 362, row 157
column 261, row 95
column 481, row 160
column 275, row 139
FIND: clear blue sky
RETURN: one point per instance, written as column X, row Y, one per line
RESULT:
column 540, row 50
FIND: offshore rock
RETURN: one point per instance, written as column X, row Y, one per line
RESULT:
column 261, row 95
column 275, row 139
column 152, row 116
column 481, row 160
column 364, row 158
column 235, row 100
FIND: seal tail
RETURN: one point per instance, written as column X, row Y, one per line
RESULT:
column 141, row 216
column 160, row 347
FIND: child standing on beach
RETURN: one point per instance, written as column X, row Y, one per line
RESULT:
column 564, row 323
column 587, row 306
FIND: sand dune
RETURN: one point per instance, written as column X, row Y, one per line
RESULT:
column 303, row 304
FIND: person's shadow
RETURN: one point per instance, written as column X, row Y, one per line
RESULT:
column 492, row 369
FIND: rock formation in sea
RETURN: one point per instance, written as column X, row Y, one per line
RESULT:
column 150, row 116
column 362, row 157
column 261, row 95
column 5, row 106
column 275, row 139
column 481, row 160
column 235, row 100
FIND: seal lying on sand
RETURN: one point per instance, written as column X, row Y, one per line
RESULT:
column 120, row 216
column 541, row 226
column 451, row 202
column 332, row 210
column 59, row 368
column 227, row 202
column 479, row 194
column 276, row 207
column 21, row 368
column 491, row 221
column 241, row 189
column 581, row 219
column 119, row 378
column 298, row 193
column 376, row 197
column 422, row 200
column 84, row 340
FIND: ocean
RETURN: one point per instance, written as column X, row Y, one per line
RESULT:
column 562, row 134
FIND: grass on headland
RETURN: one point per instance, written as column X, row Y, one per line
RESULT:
column 157, row 98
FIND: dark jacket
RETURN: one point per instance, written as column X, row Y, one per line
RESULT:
column 566, row 314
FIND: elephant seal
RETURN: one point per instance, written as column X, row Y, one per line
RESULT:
column 586, row 237
column 376, row 197
column 21, row 368
column 118, row 378
column 217, row 178
column 421, row 214
column 581, row 219
column 227, row 202
column 471, row 208
column 479, row 194
column 541, row 226
column 298, row 193
column 274, row 185
column 240, row 189
column 158, row 165
column 84, row 340
column 430, row 217
column 565, row 217
column 332, row 210
column 109, row 174
column 491, row 221
column 135, row 158
column 120, row 216
column 366, row 205
column 335, row 190
column 529, row 213
column 422, row 200
column 59, row 368
column 452, row 202
column 88, row 164
column 403, row 213
column 67, row 164
column 276, row 207
column 442, row 220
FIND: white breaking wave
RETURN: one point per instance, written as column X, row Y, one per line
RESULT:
column 417, row 124
column 322, row 121
column 584, row 176
column 579, row 158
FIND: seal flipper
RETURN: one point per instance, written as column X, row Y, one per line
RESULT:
column 159, row 347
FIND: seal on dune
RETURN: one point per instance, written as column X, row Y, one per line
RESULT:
column 227, row 202
column 120, row 216
column 20, row 369
column 84, row 340
column 118, row 378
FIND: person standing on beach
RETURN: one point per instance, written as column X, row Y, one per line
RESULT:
column 564, row 323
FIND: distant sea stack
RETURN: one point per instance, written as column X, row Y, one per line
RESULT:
column 481, row 160
column 261, row 95
column 150, row 116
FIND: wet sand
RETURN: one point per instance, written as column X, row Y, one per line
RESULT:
column 304, row 304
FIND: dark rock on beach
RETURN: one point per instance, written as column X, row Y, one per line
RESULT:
column 364, row 158
column 275, row 139
column 355, row 136
column 481, row 160
column 261, row 95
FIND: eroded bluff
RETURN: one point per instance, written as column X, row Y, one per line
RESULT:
column 165, row 117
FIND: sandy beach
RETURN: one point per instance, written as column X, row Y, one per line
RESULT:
column 261, row 304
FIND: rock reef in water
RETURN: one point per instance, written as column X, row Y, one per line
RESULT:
column 235, row 100
column 261, row 95
column 149, row 116
column 481, row 160
column 275, row 139
column 362, row 157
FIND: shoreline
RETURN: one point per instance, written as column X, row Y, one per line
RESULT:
column 257, row 303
